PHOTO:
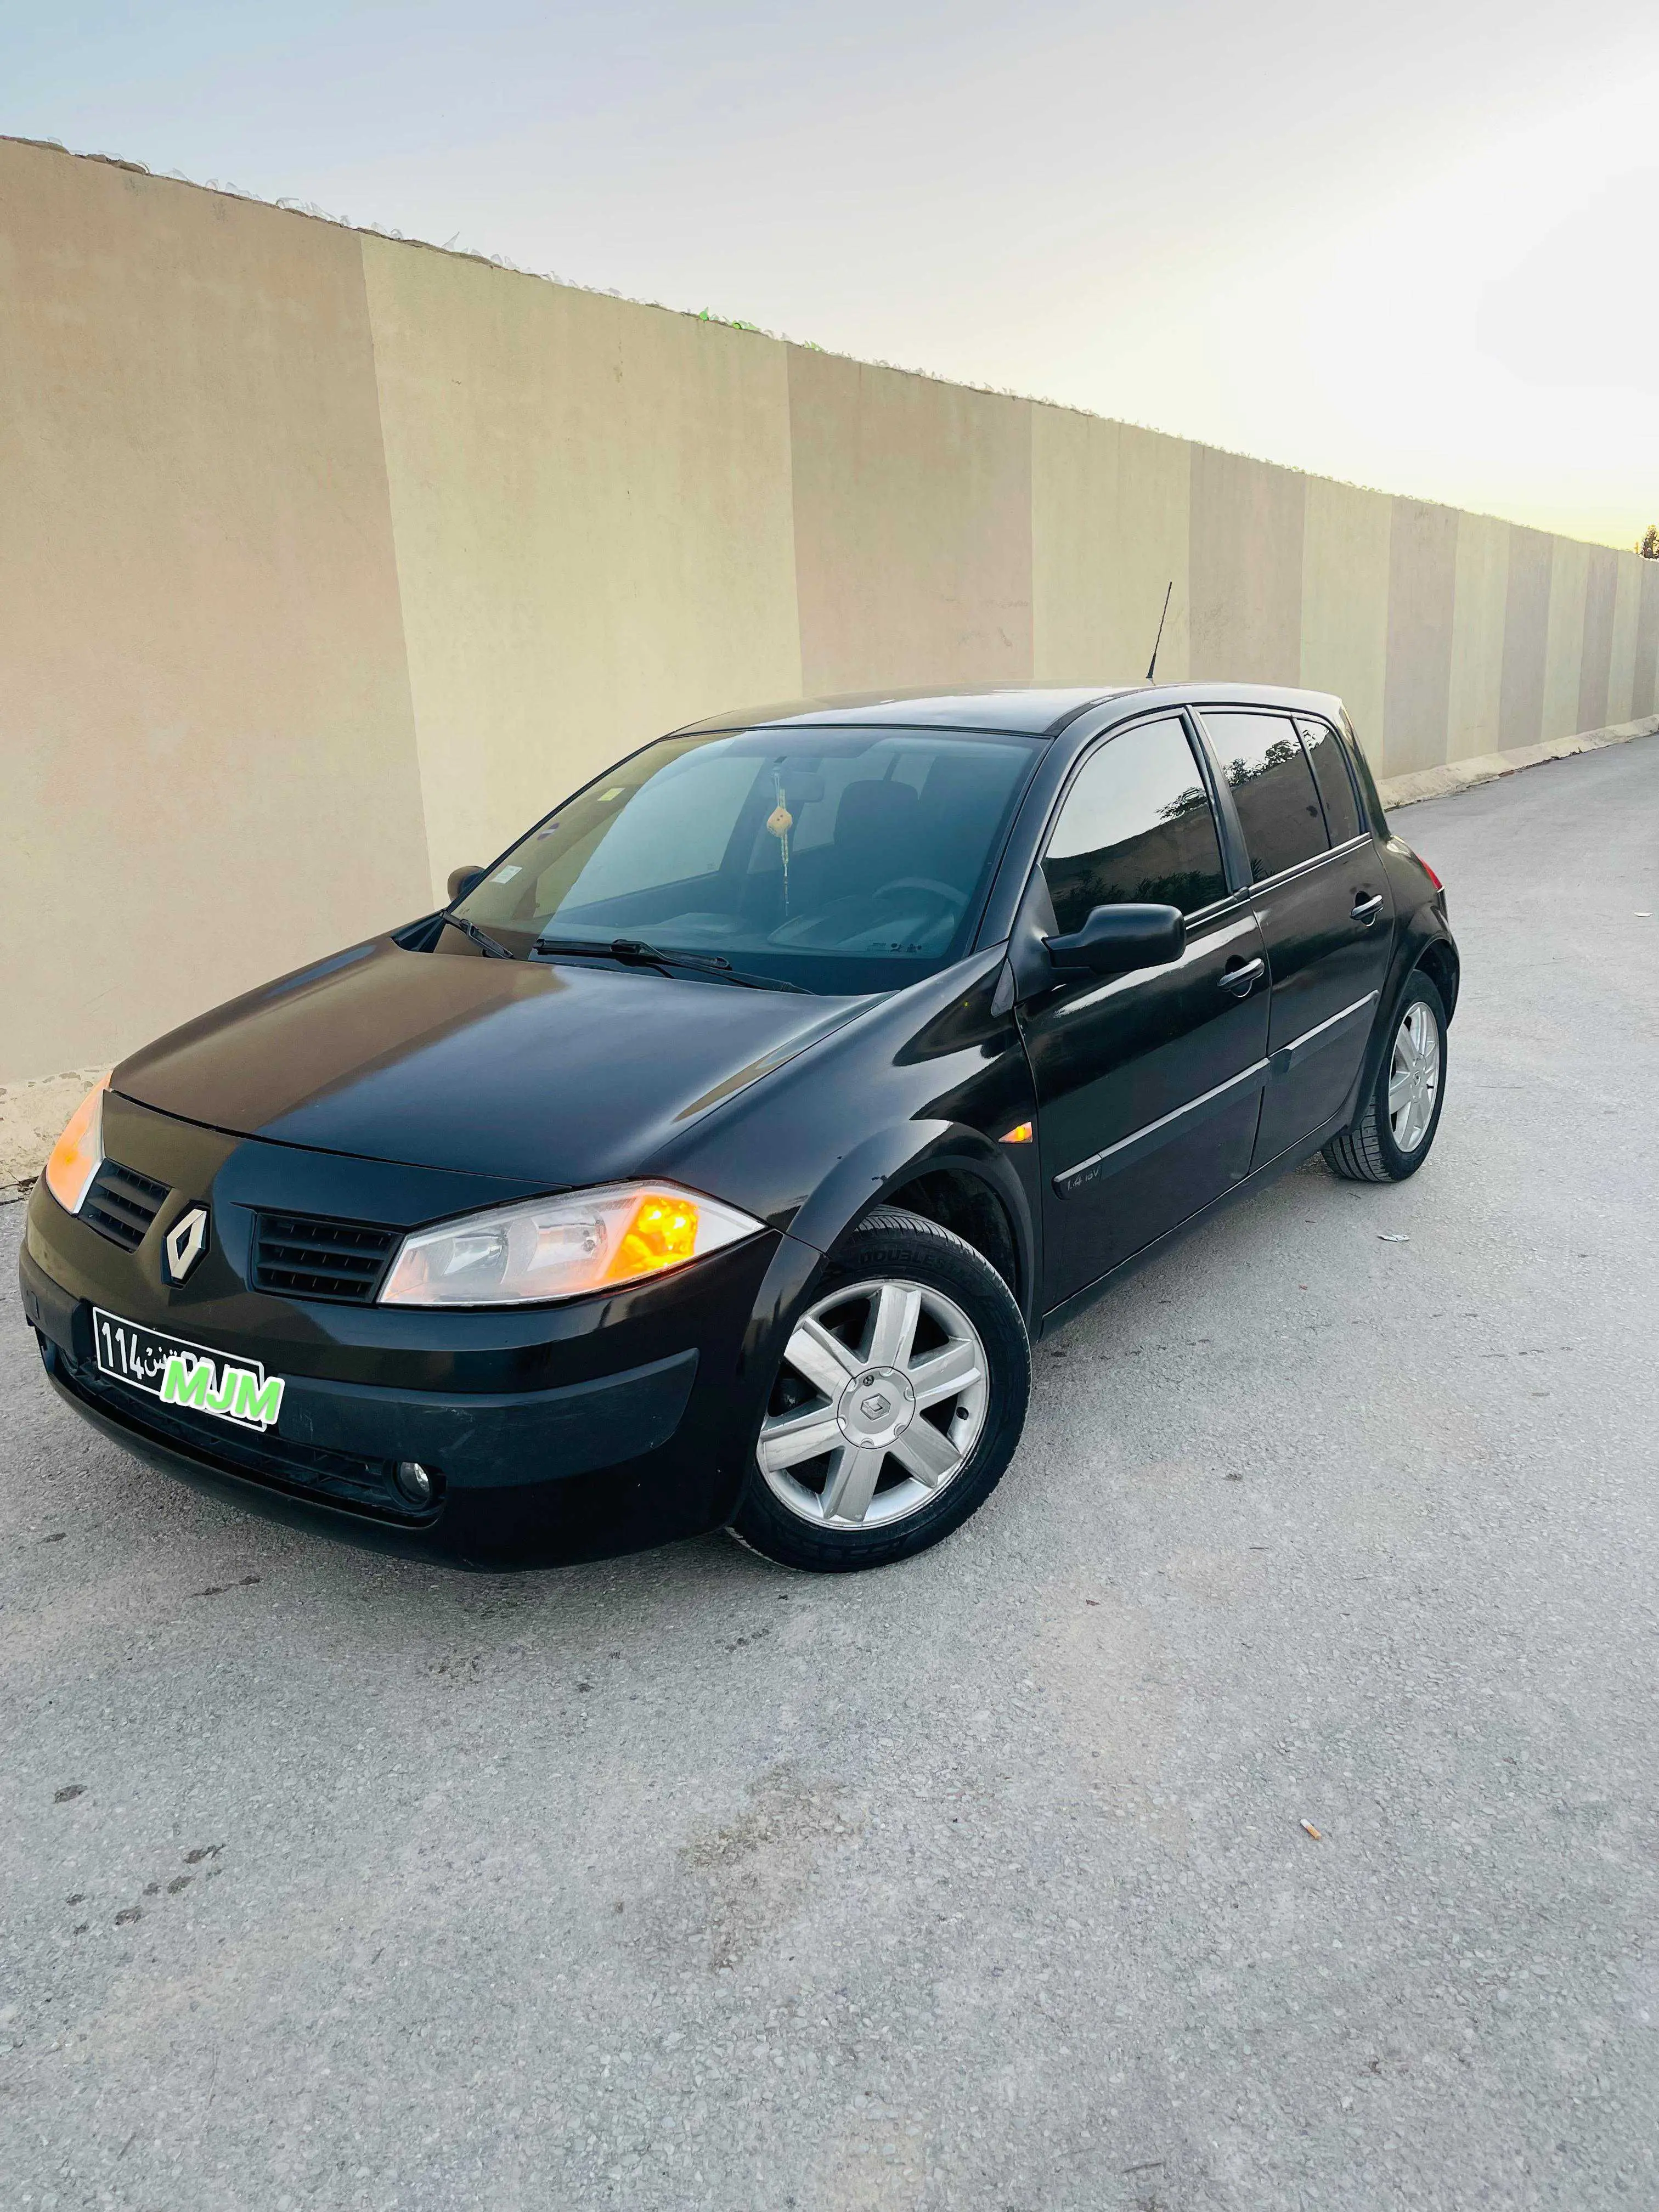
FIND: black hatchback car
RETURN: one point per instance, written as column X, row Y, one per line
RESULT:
column 715, row 1156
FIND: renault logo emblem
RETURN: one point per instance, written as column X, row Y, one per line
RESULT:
column 184, row 1243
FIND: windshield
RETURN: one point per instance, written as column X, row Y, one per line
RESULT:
column 840, row 861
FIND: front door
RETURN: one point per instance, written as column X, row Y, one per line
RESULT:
column 1323, row 900
column 1148, row 1085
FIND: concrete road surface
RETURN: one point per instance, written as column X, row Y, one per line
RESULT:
column 982, row 1882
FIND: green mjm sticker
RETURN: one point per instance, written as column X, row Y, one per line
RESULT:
column 239, row 1397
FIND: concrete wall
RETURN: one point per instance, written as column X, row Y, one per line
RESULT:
column 1422, row 605
column 1347, row 546
column 327, row 562
column 1480, row 612
column 591, row 508
column 206, row 744
column 1109, row 534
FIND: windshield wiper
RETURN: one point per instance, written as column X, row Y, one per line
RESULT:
column 481, row 938
column 633, row 952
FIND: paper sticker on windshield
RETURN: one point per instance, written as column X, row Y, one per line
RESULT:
column 505, row 875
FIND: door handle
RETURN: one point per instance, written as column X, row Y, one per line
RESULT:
column 1243, row 979
column 1367, row 906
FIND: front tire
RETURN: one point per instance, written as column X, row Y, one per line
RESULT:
column 897, row 1403
column 1395, row 1131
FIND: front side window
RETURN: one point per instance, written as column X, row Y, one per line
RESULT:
column 1273, row 788
column 841, row 860
column 1335, row 784
column 1137, row 826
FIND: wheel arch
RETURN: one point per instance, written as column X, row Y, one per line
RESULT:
column 1438, row 961
column 946, row 1173
column 1435, row 957
column 953, row 1195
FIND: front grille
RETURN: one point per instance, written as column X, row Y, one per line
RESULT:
column 357, row 1486
column 300, row 1257
column 122, row 1203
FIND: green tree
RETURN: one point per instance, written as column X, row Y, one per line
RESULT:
column 1648, row 548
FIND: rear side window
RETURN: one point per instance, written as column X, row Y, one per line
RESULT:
column 1324, row 749
column 1370, row 803
column 1137, row 825
column 1273, row 788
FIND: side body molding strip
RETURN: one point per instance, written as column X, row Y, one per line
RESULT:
column 1139, row 1142
column 1128, row 1150
column 1323, row 1033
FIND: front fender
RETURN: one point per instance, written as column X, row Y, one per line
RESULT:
column 880, row 1164
column 885, row 1161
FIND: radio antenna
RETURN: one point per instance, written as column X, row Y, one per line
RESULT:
column 1152, row 664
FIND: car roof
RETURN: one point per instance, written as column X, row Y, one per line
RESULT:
column 1035, row 710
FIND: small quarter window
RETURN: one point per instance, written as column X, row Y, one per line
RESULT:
column 1273, row 788
column 1336, row 785
column 1137, row 825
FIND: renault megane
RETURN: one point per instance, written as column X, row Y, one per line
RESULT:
column 716, row 1155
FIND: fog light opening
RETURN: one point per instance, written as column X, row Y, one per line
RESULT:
column 419, row 1485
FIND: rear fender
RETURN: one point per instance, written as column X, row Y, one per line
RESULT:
column 1416, row 937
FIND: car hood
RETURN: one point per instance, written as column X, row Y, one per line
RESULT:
column 551, row 1074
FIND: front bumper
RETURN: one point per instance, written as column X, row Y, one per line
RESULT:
column 559, row 1432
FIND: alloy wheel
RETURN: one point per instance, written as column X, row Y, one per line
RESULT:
column 880, row 1399
column 1413, row 1077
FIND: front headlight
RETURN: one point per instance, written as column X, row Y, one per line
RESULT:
column 79, row 1152
column 560, row 1248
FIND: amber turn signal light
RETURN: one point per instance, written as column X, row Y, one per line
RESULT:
column 1021, row 1133
column 663, row 1233
column 79, row 1152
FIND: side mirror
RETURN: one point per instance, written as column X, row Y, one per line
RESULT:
column 462, row 880
column 1116, row 939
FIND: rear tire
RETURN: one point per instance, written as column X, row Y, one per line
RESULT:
column 896, row 1404
column 1395, row 1131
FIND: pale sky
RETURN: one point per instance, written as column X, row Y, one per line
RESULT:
column 1413, row 245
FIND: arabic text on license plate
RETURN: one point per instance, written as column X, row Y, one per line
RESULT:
column 179, row 1373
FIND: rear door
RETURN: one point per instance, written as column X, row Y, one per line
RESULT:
column 1148, row 1083
column 1322, row 897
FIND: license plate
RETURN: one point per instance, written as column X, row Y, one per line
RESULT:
column 180, row 1373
